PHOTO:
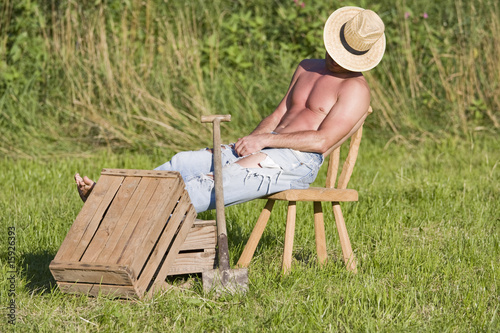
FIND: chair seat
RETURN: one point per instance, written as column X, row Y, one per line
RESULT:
column 316, row 194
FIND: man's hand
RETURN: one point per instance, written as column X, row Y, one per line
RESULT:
column 250, row 144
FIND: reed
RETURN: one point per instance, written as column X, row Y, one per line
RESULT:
column 138, row 75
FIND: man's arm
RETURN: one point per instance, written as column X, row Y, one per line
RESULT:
column 344, row 118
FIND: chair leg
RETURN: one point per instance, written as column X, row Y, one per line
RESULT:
column 289, row 233
column 345, row 243
column 255, row 236
column 319, row 230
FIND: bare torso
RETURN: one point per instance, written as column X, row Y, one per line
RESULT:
column 309, row 112
column 312, row 97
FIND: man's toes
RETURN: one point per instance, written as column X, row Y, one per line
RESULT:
column 88, row 181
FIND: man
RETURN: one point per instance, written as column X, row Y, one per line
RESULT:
column 326, row 102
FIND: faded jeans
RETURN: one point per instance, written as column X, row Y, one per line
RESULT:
column 282, row 169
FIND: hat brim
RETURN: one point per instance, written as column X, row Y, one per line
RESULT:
column 333, row 44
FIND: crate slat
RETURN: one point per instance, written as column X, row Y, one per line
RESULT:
column 154, row 266
column 94, row 205
column 96, row 289
column 117, row 213
column 193, row 262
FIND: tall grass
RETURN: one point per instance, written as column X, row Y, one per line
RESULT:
column 138, row 75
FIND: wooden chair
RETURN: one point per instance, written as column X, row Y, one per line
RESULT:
column 330, row 193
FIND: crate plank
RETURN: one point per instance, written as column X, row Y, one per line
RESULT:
column 174, row 234
column 140, row 173
column 184, row 207
column 200, row 237
column 98, row 289
column 129, row 215
column 115, row 245
column 91, row 273
column 117, row 212
column 156, row 216
column 193, row 262
column 92, row 211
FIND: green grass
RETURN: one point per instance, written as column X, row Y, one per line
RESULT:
column 122, row 84
column 426, row 233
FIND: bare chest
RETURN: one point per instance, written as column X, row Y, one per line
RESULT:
column 315, row 92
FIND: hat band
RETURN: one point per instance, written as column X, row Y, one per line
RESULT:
column 346, row 45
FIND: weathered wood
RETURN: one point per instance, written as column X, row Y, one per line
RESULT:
column 117, row 212
column 140, row 173
column 91, row 273
column 193, row 262
column 174, row 249
column 211, row 118
column 200, row 237
column 129, row 216
column 88, row 219
column 125, row 229
column 139, row 243
column 183, row 208
column 128, row 234
column 98, row 289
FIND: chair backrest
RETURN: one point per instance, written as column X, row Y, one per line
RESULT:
column 348, row 167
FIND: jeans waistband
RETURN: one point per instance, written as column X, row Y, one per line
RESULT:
column 284, row 156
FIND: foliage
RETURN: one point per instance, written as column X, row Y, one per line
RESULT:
column 137, row 75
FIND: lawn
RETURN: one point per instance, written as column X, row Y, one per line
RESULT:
column 425, row 231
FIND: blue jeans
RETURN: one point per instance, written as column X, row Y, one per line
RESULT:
column 282, row 169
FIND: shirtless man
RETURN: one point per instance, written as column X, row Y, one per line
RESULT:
column 326, row 102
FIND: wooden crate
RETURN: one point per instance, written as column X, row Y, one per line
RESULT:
column 127, row 235
column 197, row 253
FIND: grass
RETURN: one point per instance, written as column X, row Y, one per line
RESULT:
column 122, row 84
column 426, row 235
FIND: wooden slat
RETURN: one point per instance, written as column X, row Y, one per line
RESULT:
column 140, row 173
column 199, row 223
column 91, row 273
column 97, row 289
column 113, row 217
column 333, row 168
column 202, row 237
column 82, row 220
column 193, row 262
column 350, row 161
column 87, row 221
column 147, row 230
column 138, row 206
column 316, row 194
column 183, row 208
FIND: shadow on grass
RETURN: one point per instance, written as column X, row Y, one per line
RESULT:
column 37, row 273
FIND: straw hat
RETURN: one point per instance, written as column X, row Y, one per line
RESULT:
column 354, row 38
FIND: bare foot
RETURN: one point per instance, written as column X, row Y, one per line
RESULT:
column 84, row 185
